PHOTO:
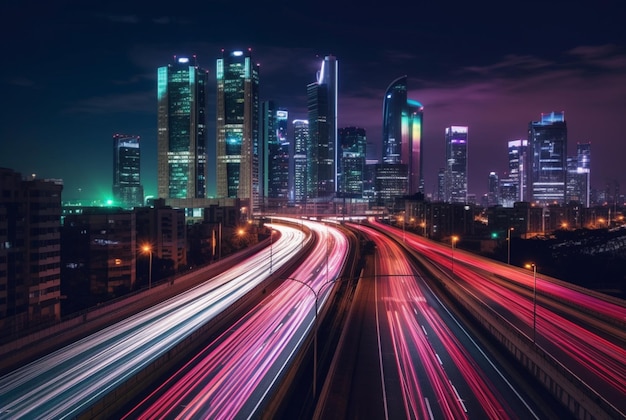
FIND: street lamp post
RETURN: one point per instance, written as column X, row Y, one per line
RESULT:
column 315, row 326
column 508, row 240
column 453, row 239
column 271, row 244
column 534, row 267
column 148, row 249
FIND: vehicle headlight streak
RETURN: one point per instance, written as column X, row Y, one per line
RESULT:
column 66, row 382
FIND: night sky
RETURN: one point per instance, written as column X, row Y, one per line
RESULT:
column 74, row 74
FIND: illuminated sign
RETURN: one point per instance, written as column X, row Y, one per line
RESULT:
column 183, row 60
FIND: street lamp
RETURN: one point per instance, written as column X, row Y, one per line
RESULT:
column 316, row 294
column 148, row 249
column 508, row 240
column 453, row 239
column 423, row 225
column 534, row 267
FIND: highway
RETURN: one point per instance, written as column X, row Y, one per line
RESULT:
column 233, row 375
column 428, row 364
column 66, row 382
column 581, row 331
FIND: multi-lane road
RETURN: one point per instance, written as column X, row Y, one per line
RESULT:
column 233, row 376
column 414, row 358
column 69, row 381
column 580, row 331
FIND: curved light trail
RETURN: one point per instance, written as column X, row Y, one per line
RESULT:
column 427, row 387
column 65, row 383
column 599, row 360
column 233, row 375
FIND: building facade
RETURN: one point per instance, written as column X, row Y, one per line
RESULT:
column 99, row 251
column 351, row 166
column 274, row 170
column 30, row 251
column 547, row 140
column 300, row 141
column 322, row 145
column 456, row 164
column 127, row 188
column 182, row 137
column 519, row 160
column 238, row 128
column 402, row 133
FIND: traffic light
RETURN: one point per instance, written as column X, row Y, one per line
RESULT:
column 494, row 235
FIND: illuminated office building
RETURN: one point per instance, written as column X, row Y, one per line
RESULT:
column 238, row 128
column 301, row 139
column 127, row 188
column 493, row 191
column 518, row 167
column 402, row 133
column 456, row 164
column 578, row 175
column 352, row 162
column 547, row 140
column 274, row 170
column 322, row 150
column 181, row 141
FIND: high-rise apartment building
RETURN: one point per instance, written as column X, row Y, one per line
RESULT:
column 127, row 188
column 456, row 164
column 181, row 141
column 238, row 128
column 30, row 251
column 402, row 133
column 300, row 140
column 547, row 141
column 351, row 166
column 322, row 150
column 518, row 167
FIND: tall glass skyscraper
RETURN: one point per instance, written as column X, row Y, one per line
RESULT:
column 238, row 128
column 456, row 164
column 300, row 140
column 548, row 151
column 275, row 148
column 402, row 133
column 518, row 167
column 127, row 188
column 578, row 175
column 322, row 150
column 352, row 162
column 181, row 138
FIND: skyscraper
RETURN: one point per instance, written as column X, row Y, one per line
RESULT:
column 578, row 175
column 322, row 150
column 300, row 140
column 456, row 164
column 548, row 151
column 127, row 188
column 352, row 162
column 275, row 147
column 518, row 167
column 583, row 153
column 238, row 128
column 182, row 154
column 402, row 133
column 493, row 192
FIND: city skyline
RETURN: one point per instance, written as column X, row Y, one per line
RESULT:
column 101, row 79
